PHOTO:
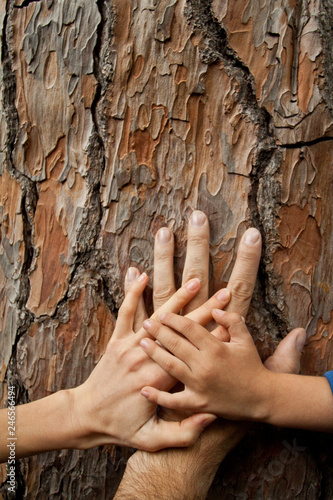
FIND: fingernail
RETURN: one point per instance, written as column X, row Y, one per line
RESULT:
column 131, row 274
column 142, row 277
column 197, row 219
column 252, row 236
column 218, row 312
column 300, row 341
column 144, row 343
column 162, row 316
column 208, row 421
column 164, row 236
column 145, row 394
column 146, row 324
column 192, row 284
column 223, row 295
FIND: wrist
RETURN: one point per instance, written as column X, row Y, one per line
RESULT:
column 45, row 425
column 301, row 401
column 82, row 420
column 263, row 397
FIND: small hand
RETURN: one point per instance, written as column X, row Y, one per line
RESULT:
column 224, row 378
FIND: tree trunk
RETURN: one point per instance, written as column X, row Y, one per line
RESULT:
column 119, row 117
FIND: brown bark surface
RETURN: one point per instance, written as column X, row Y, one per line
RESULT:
column 119, row 117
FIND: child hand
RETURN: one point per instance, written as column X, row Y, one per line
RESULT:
column 224, row 378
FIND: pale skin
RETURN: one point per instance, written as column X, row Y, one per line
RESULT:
column 187, row 473
column 108, row 407
column 229, row 379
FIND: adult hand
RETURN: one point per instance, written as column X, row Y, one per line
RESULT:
column 108, row 407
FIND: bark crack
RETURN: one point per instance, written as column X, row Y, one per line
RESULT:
column 28, row 207
column 87, row 257
column 268, row 160
column 29, row 188
column 25, row 3
column 302, row 144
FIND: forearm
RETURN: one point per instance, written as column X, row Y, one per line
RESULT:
column 182, row 473
column 301, row 402
column 37, row 427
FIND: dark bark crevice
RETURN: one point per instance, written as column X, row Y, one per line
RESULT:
column 92, row 217
column 28, row 202
column 265, row 167
column 326, row 28
column 26, row 3
column 29, row 188
column 301, row 144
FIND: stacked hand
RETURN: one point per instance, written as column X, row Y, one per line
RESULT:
column 108, row 407
column 226, row 378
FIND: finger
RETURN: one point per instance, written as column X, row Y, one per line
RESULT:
column 126, row 313
column 195, row 333
column 235, row 325
column 171, row 340
column 141, row 313
column 176, row 302
column 171, row 364
column 203, row 314
column 197, row 257
column 176, row 401
column 164, row 283
column 180, row 298
column 287, row 357
column 178, row 434
column 244, row 273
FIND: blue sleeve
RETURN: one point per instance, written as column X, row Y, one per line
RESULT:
column 329, row 376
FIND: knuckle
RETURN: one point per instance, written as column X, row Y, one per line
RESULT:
column 162, row 253
column 125, row 309
column 241, row 289
column 169, row 365
column 196, row 239
column 247, row 256
column 187, row 326
column 163, row 293
column 206, row 375
column 173, row 344
column 197, row 270
column 234, row 318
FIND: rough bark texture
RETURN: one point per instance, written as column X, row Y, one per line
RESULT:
column 118, row 117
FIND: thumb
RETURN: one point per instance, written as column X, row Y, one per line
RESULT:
column 179, row 434
column 141, row 313
column 287, row 357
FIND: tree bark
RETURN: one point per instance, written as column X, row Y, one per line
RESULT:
column 119, row 117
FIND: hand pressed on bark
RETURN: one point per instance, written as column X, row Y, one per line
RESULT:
column 229, row 379
column 108, row 406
